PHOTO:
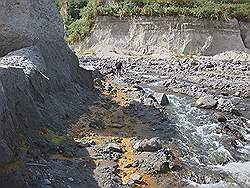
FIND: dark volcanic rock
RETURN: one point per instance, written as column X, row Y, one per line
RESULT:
column 41, row 82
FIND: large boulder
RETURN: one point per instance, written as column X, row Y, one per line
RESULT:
column 148, row 145
column 207, row 101
column 161, row 98
column 41, row 83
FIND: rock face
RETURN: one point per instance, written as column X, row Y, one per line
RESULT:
column 156, row 35
column 245, row 33
column 41, row 83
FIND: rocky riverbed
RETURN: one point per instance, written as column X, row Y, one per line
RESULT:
column 152, row 127
column 198, row 108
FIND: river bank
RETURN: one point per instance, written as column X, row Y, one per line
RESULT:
column 151, row 127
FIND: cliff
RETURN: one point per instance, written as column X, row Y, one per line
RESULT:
column 41, row 83
column 158, row 35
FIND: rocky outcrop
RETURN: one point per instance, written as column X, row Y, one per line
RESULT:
column 159, row 35
column 41, row 83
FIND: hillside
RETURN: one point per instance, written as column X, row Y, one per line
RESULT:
column 79, row 15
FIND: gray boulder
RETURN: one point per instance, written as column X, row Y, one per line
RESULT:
column 207, row 101
column 161, row 98
column 148, row 145
column 220, row 117
column 161, row 166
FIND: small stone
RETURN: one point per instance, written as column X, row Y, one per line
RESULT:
column 109, row 87
column 113, row 147
column 235, row 112
column 47, row 182
column 136, row 163
column 135, row 177
column 162, row 166
column 108, row 164
column 71, row 179
column 128, row 165
column 237, row 94
column 224, row 93
column 117, row 125
column 136, row 87
column 130, row 182
column 87, row 143
column 148, row 101
column 220, row 117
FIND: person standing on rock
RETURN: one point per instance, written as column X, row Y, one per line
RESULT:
column 118, row 67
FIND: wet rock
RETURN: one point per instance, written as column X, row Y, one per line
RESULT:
column 151, row 145
column 220, row 117
column 161, row 166
column 161, row 98
column 113, row 147
column 207, row 101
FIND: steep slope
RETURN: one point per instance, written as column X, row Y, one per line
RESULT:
column 159, row 35
column 41, row 83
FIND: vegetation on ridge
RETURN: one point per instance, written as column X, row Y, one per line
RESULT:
column 79, row 15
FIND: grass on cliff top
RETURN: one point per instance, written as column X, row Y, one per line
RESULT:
column 79, row 15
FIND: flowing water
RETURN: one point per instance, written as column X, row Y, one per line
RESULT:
column 212, row 161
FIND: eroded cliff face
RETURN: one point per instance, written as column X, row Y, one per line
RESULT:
column 41, row 83
column 158, row 35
